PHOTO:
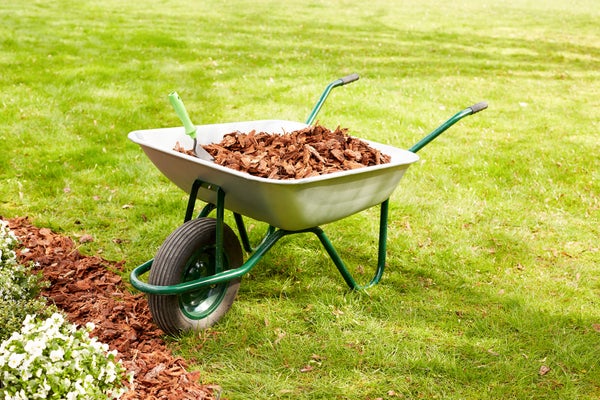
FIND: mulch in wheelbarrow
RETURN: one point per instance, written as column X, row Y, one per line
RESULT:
column 314, row 150
column 89, row 289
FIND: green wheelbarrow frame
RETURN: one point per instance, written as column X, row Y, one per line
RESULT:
column 274, row 234
column 271, row 237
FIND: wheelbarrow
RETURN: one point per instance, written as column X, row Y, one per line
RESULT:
column 196, row 273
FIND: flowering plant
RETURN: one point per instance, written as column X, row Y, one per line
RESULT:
column 20, row 288
column 8, row 241
column 52, row 359
column 16, row 281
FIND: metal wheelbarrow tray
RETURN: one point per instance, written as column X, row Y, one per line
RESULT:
column 293, row 204
column 196, row 273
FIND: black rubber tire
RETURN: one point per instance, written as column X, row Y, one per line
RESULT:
column 191, row 249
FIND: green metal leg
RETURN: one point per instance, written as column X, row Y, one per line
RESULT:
column 220, row 207
column 381, row 255
column 219, row 234
column 239, row 220
column 192, row 200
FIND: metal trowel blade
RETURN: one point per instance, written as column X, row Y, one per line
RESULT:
column 201, row 153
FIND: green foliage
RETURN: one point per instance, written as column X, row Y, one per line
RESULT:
column 19, row 287
column 493, row 238
column 14, row 311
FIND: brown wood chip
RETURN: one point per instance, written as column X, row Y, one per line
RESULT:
column 314, row 150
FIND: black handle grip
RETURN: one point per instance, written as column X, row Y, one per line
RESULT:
column 478, row 107
column 348, row 79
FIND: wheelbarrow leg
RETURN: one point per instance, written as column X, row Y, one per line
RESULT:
column 220, row 207
column 239, row 220
column 381, row 254
column 192, row 202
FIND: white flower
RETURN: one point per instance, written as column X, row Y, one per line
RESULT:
column 15, row 359
column 57, row 355
column 28, row 324
column 72, row 396
column 35, row 347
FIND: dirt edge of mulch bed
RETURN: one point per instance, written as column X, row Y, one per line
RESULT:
column 90, row 289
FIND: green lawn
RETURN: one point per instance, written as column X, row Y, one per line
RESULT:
column 493, row 251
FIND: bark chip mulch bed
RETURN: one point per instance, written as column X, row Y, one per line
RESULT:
column 314, row 150
column 89, row 289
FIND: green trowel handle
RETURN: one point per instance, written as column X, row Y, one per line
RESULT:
column 177, row 103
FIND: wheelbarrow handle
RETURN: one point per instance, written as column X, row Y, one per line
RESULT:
column 478, row 107
column 475, row 108
column 349, row 79
column 338, row 82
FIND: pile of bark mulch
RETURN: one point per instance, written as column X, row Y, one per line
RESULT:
column 89, row 289
column 312, row 151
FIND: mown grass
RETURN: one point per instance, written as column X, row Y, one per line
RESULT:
column 493, row 256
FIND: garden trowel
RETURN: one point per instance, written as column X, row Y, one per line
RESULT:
column 190, row 128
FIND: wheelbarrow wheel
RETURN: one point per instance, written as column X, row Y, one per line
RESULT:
column 186, row 255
